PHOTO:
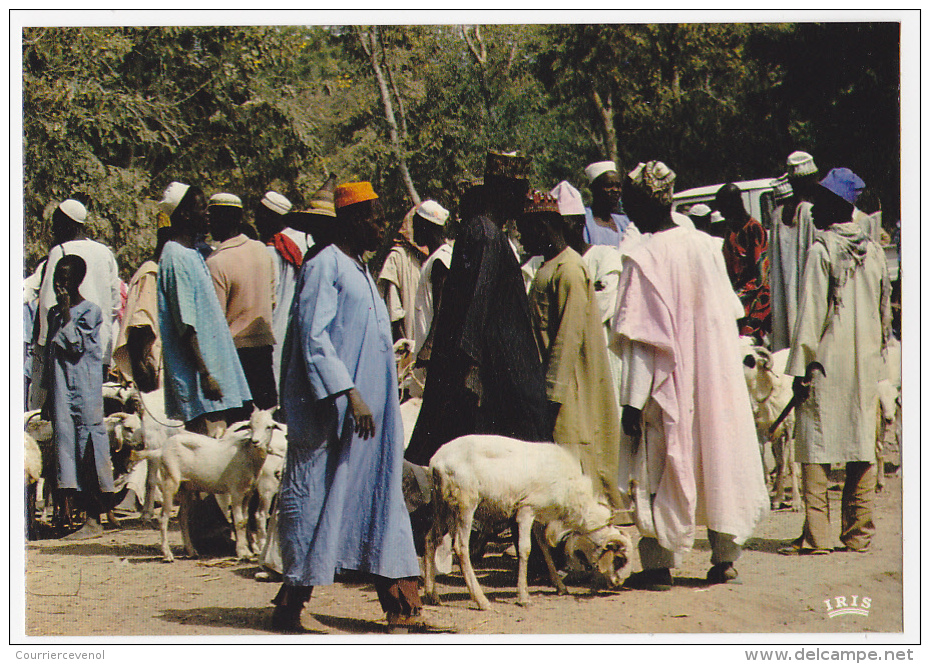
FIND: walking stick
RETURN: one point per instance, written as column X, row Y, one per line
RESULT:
column 808, row 377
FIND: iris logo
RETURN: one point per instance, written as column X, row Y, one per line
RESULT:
column 841, row 606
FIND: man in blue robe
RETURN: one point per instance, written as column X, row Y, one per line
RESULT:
column 341, row 505
column 204, row 380
column 603, row 224
column 74, row 384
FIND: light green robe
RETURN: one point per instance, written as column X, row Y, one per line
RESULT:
column 844, row 322
column 569, row 331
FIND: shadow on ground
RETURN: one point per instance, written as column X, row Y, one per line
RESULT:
column 351, row 625
column 220, row 616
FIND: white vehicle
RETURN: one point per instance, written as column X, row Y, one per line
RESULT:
column 758, row 197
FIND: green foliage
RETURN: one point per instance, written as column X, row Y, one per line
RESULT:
column 118, row 112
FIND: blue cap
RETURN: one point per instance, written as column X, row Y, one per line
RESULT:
column 844, row 183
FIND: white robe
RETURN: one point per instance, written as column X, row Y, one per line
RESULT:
column 699, row 462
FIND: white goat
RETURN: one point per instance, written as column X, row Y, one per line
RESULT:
column 269, row 481
column 769, row 392
column 229, row 465
column 504, row 478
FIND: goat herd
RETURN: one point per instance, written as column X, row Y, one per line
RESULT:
column 540, row 488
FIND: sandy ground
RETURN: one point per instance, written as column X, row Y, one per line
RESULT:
column 118, row 586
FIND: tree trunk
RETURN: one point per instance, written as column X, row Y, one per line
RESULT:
column 606, row 111
column 372, row 43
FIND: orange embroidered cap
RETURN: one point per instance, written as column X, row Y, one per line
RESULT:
column 350, row 193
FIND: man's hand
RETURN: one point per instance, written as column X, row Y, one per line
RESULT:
column 64, row 301
column 146, row 375
column 361, row 414
column 801, row 388
column 211, row 388
column 632, row 422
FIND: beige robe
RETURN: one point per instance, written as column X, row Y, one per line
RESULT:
column 788, row 247
column 141, row 311
column 398, row 283
column 844, row 322
column 568, row 328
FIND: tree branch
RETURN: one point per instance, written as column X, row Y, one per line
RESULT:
column 400, row 100
column 391, row 121
column 606, row 111
column 479, row 52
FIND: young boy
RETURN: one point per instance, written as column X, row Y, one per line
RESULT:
column 74, row 356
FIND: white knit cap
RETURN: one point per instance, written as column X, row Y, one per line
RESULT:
column 598, row 168
column 800, row 163
column 434, row 212
column 226, row 199
column 74, row 209
column 569, row 199
column 172, row 198
column 699, row 210
column 276, row 202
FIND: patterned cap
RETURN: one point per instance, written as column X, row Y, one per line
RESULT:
column 654, row 179
column 782, row 188
column 800, row 163
column 354, row 192
column 540, row 201
column 323, row 201
column 509, row 165
column 276, row 202
column 230, row 200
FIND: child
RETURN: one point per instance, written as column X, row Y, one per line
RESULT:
column 75, row 398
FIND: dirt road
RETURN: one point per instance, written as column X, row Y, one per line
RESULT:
column 118, row 586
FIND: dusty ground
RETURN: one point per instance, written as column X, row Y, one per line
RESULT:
column 118, row 586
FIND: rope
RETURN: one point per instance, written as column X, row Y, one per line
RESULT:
column 152, row 415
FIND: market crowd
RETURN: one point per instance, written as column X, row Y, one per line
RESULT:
column 612, row 329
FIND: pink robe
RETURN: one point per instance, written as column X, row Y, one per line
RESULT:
column 675, row 297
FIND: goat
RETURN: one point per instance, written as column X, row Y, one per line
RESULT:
column 268, row 482
column 769, row 392
column 229, row 465
column 32, row 458
column 531, row 481
column 889, row 410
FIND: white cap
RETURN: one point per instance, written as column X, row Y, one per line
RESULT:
column 226, row 199
column 715, row 217
column 434, row 212
column 800, row 163
column 276, row 202
column 569, row 199
column 172, row 198
column 598, row 168
column 75, row 210
column 699, row 210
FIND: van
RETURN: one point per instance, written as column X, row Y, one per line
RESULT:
column 758, row 197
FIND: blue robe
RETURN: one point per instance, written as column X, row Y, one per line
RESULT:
column 594, row 233
column 186, row 296
column 341, row 506
column 74, row 358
